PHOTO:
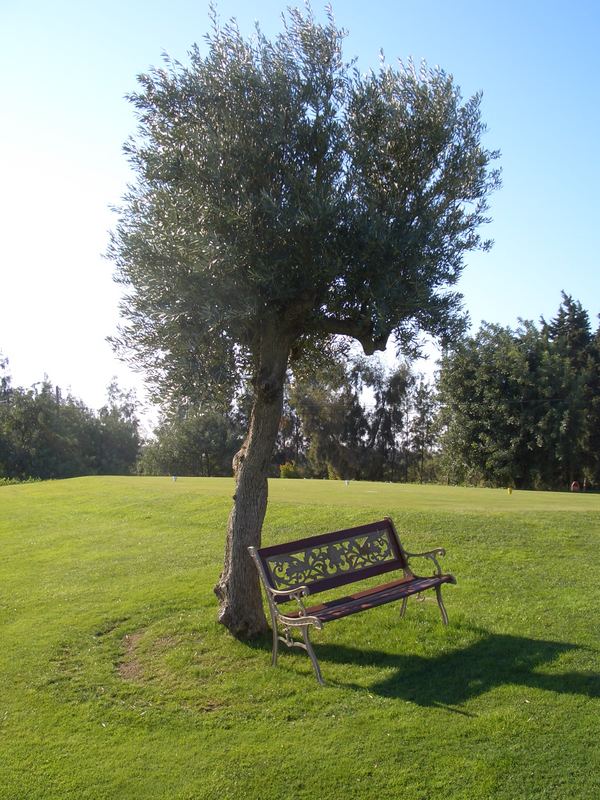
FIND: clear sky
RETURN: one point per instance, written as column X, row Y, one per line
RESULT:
column 66, row 66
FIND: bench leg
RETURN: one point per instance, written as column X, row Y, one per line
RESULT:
column 438, row 591
column 275, row 634
column 309, row 649
column 275, row 645
column 403, row 606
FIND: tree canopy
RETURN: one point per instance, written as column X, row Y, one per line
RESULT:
column 275, row 183
column 282, row 198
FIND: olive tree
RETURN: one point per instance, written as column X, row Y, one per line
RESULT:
column 282, row 198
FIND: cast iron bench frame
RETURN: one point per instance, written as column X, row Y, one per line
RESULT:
column 294, row 570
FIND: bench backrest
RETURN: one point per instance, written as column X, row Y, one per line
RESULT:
column 333, row 559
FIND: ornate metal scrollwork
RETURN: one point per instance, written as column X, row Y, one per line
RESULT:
column 349, row 555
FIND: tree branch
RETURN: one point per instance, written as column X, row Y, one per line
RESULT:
column 359, row 329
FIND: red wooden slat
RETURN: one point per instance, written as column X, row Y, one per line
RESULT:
column 371, row 598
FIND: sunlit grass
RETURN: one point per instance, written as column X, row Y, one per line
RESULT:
column 117, row 682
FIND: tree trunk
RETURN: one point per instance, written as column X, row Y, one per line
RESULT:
column 238, row 589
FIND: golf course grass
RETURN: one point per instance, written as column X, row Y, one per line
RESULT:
column 117, row 682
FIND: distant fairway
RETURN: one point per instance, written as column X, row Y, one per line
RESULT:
column 116, row 682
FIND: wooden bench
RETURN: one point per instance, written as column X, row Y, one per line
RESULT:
column 292, row 571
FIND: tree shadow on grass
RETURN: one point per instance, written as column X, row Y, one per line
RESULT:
column 452, row 678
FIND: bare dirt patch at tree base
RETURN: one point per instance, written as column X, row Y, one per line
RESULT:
column 131, row 668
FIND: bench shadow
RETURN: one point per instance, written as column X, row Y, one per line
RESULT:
column 452, row 678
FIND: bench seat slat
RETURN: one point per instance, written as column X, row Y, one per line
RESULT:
column 371, row 598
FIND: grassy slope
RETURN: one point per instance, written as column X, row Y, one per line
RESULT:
column 116, row 682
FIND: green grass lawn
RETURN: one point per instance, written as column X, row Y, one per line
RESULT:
column 117, row 682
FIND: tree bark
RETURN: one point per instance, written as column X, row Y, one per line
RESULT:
column 238, row 589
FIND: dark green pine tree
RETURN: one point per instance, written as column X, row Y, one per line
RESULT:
column 570, row 331
column 570, row 340
column 592, row 413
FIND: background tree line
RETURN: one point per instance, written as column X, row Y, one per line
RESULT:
column 349, row 419
column 44, row 434
column 508, row 408
column 360, row 422
column 522, row 407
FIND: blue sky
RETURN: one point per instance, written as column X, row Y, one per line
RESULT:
column 66, row 67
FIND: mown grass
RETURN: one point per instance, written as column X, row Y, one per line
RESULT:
column 117, row 682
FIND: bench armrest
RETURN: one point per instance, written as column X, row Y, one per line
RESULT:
column 302, row 591
column 297, row 593
column 293, row 594
column 431, row 555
